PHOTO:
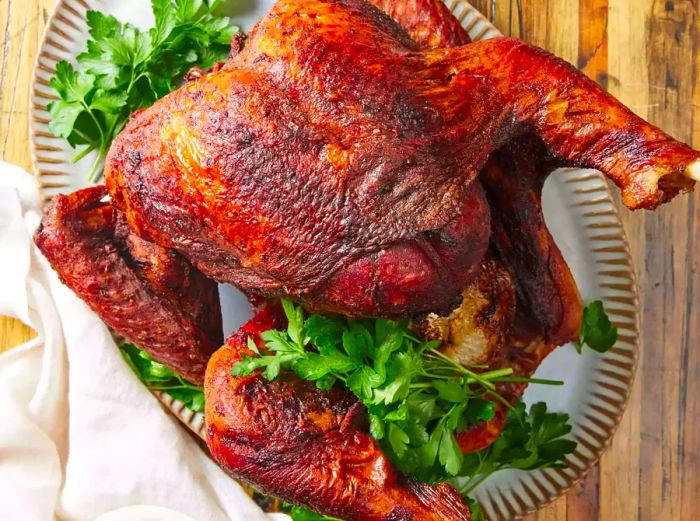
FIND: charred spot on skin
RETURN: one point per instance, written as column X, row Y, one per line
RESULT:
column 135, row 158
column 370, row 107
column 237, row 44
column 400, row 514
column 260, row 58
column 243, row 136
column 385, row 190
column 251, row 390
column 355, row 418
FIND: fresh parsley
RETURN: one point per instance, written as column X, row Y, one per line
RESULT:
column 475, row 510
column 158, row 377
column 530, row 440
column 301, row 514
column 124, row 69
column 417, row 398
column 597, row 332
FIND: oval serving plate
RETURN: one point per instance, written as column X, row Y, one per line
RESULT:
column 579, row 210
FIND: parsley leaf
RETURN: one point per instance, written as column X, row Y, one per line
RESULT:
column 477, row 513
column 596, row 329
column 124, row 69
column 529, row 441
column 301, row 514
column 158, row 377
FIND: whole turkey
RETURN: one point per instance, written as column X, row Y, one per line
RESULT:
column 361, row 158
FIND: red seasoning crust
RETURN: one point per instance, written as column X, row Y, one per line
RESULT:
column 153, row 297
column 307, row 446
column 331, row 160
column 429, row 23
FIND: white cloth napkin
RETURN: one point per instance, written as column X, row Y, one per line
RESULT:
column 80, row 437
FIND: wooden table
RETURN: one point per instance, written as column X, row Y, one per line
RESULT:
column 647, row 53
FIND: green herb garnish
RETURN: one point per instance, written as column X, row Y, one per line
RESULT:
column 417, row 398
column 475, row 510
column 301, row 514
column 158, row 377
column 529, row 441
column 597, row 332
column 124, row 69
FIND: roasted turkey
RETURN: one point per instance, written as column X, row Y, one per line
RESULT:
column 362, row 158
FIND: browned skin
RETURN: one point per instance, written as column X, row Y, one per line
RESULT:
column 152, row 296
column 309, row 447
column 547, row 291
column 334, row 162
column 429, row 23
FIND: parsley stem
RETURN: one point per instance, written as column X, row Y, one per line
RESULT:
column 540, row 381
column 84, row 152
column 421, row 386
column 496, row 374
column 92, row 176
column 474, row 482
column 94, row 119
column 412, row 338
column 171, row 387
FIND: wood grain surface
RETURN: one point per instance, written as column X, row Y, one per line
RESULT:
column 647, row 53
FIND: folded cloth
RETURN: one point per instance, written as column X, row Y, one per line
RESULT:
column 80, row 437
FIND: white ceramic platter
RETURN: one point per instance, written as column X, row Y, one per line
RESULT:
column 579, row 211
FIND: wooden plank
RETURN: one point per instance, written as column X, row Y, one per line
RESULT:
column 21, row 27
column 665, row 275
column 593, row 40
column 557, row 511
column 628, row 80
column 689, row 399
column 689, row 446
column 583, row 501
column 657, row 83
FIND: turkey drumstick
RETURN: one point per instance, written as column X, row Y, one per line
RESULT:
column 308, row 446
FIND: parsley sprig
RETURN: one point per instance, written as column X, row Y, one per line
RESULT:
column 158, row 377
column 124, row 69
column 417, row 398
column 597, row 332
column 530, row 440
column 302, row 514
